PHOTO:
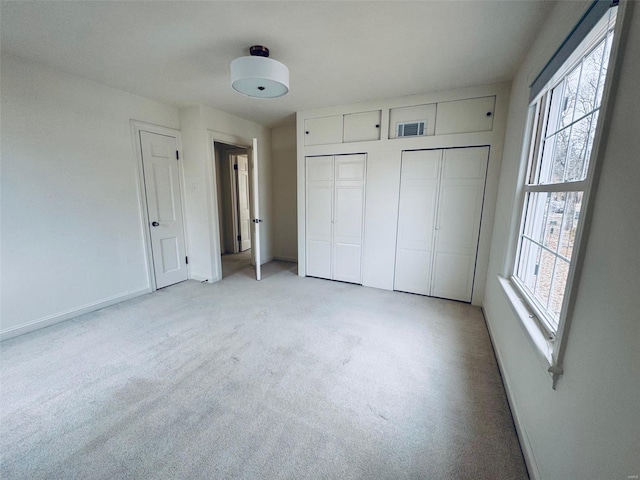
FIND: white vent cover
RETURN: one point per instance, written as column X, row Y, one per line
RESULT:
column 411, row 129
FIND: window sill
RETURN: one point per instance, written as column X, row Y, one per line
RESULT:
column 541, row 345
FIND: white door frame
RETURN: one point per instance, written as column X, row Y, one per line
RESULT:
column 233, row 176
column 136, row 127
column 212, row 196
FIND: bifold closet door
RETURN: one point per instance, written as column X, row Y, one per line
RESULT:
column 335, row 216
column 441, row 197
column 348, row 218
column 319, row 215
column 460, row 202
column 416, row 220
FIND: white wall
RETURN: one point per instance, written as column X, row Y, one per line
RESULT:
column 589, row 428
column 72, row 234
column 283, row 147
column 199, row 178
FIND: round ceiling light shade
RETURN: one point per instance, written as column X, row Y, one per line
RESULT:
column 259, row 76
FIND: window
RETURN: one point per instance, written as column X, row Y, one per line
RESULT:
column 564, row 114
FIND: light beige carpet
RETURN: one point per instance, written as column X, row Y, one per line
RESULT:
column 285, row 378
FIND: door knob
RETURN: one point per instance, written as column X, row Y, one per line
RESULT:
column 155, row 224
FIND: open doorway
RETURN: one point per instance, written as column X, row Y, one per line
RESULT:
column 234, row 208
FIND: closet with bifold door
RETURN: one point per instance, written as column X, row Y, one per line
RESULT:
column 441, row 199
column 335, row 193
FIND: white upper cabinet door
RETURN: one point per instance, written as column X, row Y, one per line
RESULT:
column 319, row 215
column 416, row 220
column 465, row 116
column 458, row 225
column 348, row 217
column 323, row 130
column 362, row 127
column 164, row 204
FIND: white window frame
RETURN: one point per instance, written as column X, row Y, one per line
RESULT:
column 550, row 343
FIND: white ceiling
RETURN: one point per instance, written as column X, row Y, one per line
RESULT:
column 338, row 52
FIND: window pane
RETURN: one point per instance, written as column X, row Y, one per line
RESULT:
column 579, row 149
column 592, row 135
column 553, row 158
column 586, row 97
column 555, row 109
column 553, row 220
column 545, row 275
column 535, row 219
column 570, row 90
column 528, row 265
column 558, row 288
column 573, row 204
column 605, row 64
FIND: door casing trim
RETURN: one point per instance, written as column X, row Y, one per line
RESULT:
column 212, row 196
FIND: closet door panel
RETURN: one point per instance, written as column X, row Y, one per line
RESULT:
column 319, row 259
column 319, row 214
column 349, row 168
column 348, row 218
column 347, row 264
column 416, row 215
column 458, row 225
column 453, row 276
column 413, row 271
column 348, row 234
column 348, row 214
column 319, row 231
column 460, row 208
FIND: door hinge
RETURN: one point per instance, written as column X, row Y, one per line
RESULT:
column 235, row 166
column 186, row 259
column 177, row 155
column 239, row 238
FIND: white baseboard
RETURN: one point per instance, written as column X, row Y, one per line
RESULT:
column 285, row 259
column 61, row 317
column 525, row 444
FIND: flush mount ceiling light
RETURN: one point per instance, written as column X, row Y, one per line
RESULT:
column 259, row 76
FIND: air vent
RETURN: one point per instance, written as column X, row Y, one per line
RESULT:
column 411, row 129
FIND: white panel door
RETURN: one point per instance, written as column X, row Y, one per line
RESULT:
column 458, row 225
column 348, row 218
column 319, row 216
column 416, row 220
column 244, row 210
column 164, row 204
